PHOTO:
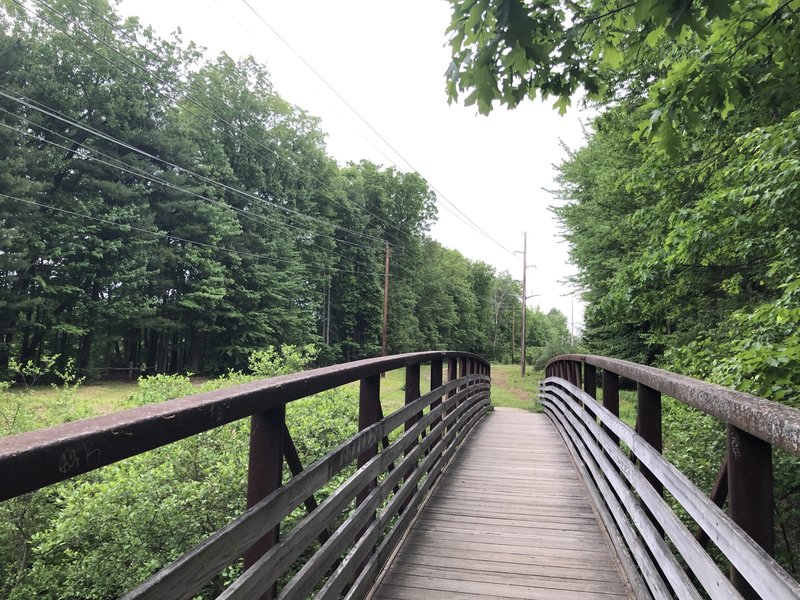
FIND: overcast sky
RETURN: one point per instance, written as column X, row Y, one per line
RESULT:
column 387, row 58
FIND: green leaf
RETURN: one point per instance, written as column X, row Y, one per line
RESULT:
column 612, row 57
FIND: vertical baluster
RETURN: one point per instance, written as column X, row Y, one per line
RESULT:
column 369, row 412
column 436, row 381
column 452, row 375
column 264, row 475
column 750, row 494
column 412, row 393
column 648, row 406
column 611, row 398
column 462, row 371
column 590, row 380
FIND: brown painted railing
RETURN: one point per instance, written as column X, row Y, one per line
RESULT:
column 631, row 500
column 390, row 482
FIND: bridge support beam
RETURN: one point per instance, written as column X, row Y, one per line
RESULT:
column 369, row 412
column 412, row 393
column 648, row 418
column 436, row 381
column 452, row 375
column 590, row 380
column 750, row 494
column 611, row 398
column 264, row 474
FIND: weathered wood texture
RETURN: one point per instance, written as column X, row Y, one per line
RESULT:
column 509, row 519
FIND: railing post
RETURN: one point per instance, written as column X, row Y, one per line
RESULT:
column 452, row 374
column 369, row 412
column 648, row 406
column 590, row 380
column 411, row 394
column 463, row 371
column 750, row 494
column 611, row 398
column 436, row 381
column 264, row 474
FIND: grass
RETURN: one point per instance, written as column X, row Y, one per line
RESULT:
column 510, row 389
column 23, row 410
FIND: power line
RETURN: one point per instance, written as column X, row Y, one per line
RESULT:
column 261, row 219
column 28, row 102
column 256, row 218
column 179, row 99
column 455, row 210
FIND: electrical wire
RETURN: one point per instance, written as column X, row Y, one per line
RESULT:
column 186, row 99
column 250, row 216
column 125, row 227
column 456, row 211
column 43, row 109
column 131, row 170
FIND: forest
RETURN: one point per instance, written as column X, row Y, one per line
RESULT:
column 682, row 209
column 169, row 211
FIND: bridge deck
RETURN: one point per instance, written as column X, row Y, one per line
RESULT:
column 510, row 519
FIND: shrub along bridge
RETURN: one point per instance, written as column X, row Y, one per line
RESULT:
column 449, row 500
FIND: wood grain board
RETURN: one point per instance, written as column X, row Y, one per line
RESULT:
column 510, row 519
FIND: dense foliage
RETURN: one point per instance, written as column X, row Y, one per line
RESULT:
column 168, row 210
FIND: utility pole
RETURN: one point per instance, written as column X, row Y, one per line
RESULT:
column 524, row 301
column 572, row 320
column 328, row 320
column 513, row 335
column 386, row 299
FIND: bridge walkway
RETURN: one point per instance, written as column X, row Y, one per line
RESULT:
column 511, row 518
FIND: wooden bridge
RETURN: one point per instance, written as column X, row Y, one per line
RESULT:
column 448, row 499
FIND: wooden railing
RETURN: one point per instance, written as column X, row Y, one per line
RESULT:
column 388, row 485
column 631, row 500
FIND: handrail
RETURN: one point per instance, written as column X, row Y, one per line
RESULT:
column 772, row 422
column 32, row 460
column 350, row 556
column 744, row 536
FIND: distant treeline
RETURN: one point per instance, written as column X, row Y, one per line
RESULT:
column 172, row 211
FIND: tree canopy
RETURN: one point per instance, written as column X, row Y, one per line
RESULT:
column 687, row 60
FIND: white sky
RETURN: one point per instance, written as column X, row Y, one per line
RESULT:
column 387, row 58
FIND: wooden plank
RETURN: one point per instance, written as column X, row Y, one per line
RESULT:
column 447, row 559
column 366, row 578
column 465, row 571
column 507, row 521
column 516, row 560
column 634, row 558
column 704, row 568
column 434, row 586
column 395, row 592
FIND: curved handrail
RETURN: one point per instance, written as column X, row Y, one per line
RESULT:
column 754, row 426
column 32, row 460
column 775, row 423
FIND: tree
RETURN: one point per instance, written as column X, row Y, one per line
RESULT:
column 694, row 62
